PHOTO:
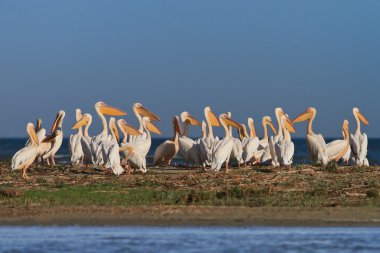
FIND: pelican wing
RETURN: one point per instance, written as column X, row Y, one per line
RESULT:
column 285, row 151
column 87, row 153
column 334, row 148
column 316, row 148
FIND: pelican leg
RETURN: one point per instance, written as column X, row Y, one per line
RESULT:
column 47, row 161
column 52, row 160
column 227, row 166
column 24, row 172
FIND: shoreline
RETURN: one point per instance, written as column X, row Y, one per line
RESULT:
column 190, row 216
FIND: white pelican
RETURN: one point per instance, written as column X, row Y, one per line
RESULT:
column 75, row 146
column 237, row 150
column 316, row 144
column 38, row 129
column 106, row 145
column 222, row 149
column 203, row 153
column 85, row 140
column 26, row 156
column 337, row 149
column 279, row 113
column 55, row 137
column 188, row 148
column 359, row 141
column 205, row 144
column 263, row 153
column 250, row 143
column 143, row 141
column 282, row 151
column 130, row 153
column 168, row 149
column 102, row 109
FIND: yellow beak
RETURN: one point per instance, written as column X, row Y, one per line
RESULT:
column 152, row 128
column 33, row 134
column 130, row 130
column 146, row 113
column 289, row 125
column 362, row 118
column 232, row 123
column 302, row 117
column 213, row 119
column 80, row 123
column 111, row 111
column 270, row 123
column 192, row 121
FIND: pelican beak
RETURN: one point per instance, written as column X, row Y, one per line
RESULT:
column 232, row 123
column 213, row 119
column 55, row 123
column 302, row 117
column 152, row 128
column 114, row 130
column 362, row 118
column 193, row 121
column 130, row 129
column 38, row 125
column 80, row 123
column 111, row 111
column 177, row 126
column 270, row 123
column 33, row 135
column 146, row 113
column 289, row 125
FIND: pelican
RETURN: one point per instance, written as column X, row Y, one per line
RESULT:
column 320, row 151
column 222, row 149
column 106, row 146
column 188, row 148
column 85, row 140
column 250, row 143
column 282, row 151
column 26, row 156
column 263, row 153
column 130, row 153
column 144, row 141
column 359, row 141
column 279, row 113
column 102, row 109
column 55, row 137
column 203, row 153
column 237, row 150
column 75, row 146
column 205, row 144
column 39, row 131
column 168, row 149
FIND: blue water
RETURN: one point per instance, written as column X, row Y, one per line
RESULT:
column 189, row 239
column 8, row 147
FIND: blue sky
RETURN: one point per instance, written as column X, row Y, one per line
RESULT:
column 247, row 57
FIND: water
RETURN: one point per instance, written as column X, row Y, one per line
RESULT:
column 8, row 147
column 189, row 239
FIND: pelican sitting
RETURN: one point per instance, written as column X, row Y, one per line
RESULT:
column 359, row 141
column 75, row 146
column 316, row 143
column 102, row 109
column 188, row 148
column 222, row 149
column 205, row 144
column 85, row 140
column 282, row 151
column 26, row 156
column 250, row 143
column 168, row 149
column 55, row 137
column 143, row 141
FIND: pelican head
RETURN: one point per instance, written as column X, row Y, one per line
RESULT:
column 105, row 109
column 227, row 121
column 113, row 128
column 306, row 115
column 360, row 116
column 127, row 128
column 211, row 116
column 268, row 121
column 58, row 120
column 32, row 133
column 150, row 126
column 140, row 109
column 345, row 129
column 287, row 123
column 38, row 124
column 85, row 120
column 186, row 117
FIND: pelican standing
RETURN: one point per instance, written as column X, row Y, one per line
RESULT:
column 359, row 141
column 205, row 144
column 26, row 156
column 282, row 151
column 250, row 143
column 222, row 149
column 143, row 141
column 168, row 149
column 189, row 148
column 102, row 109
column 202, row 151
column 85, row 140
column 75, row 145
column 263, row 154
column 237, row 150
column 55, row 137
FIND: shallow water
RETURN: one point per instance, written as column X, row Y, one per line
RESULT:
column 189, row 239
column 9, row 146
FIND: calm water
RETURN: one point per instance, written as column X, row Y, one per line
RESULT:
column 8, row 147
column 199, row 239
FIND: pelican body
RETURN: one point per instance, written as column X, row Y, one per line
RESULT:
column 250, row 142
column 206, row 143
column 75, row 145
column 359, row 141
column 55, row 137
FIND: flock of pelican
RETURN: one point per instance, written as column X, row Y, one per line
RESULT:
column 115, row 155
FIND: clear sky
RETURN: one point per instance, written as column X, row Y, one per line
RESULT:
column 247, row 57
